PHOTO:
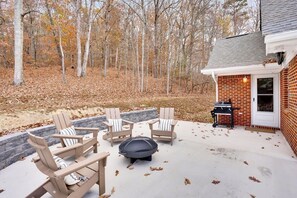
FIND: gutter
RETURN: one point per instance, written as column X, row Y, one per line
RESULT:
column 217, row 87
column 242, row 70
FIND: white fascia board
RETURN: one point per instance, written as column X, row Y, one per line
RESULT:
column 241, row 70
column 281, row 42
column 283, row 36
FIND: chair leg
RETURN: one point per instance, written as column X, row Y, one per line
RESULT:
column 95, row 148
column 101, row 177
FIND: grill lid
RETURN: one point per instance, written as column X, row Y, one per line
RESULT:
column 223, row 104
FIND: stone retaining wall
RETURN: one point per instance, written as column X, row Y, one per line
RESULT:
column 14, row 147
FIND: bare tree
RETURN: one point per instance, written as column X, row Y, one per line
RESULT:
column 18, row 42
column 87, row 44
column 78, row 41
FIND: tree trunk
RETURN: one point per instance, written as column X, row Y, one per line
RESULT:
column 18, row 42
column 137, row 60
column 169, row 61
column 106, row 57
column 78, row 41
column 53, row 29
column 87, row 45
column 142, row 56
column 156, row 53
column 62, row 56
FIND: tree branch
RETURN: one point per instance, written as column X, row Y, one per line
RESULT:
column 24, row 14
column 2, row 20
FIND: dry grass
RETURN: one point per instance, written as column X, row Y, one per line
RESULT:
column 44, row 91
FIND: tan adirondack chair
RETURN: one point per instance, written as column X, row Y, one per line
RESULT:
column 115, row 134
column 91, row 168
column 164, row 133
column 62, row 121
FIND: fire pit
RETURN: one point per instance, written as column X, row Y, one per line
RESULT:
column 138, row 148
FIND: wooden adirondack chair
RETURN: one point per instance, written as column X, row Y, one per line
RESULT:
column 92, row 169
column 165, row 131
column 114, row 122
column 62, row 121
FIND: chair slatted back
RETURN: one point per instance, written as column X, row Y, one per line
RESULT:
column 112, row 113
column 167, row 113
column 43, row 151
column 47, row 160
column 62, row 121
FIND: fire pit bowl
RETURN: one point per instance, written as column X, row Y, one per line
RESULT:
column 138, row 148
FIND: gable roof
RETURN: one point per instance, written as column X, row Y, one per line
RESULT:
column 242, row 50
column 278, row 16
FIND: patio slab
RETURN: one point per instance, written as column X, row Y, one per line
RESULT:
column 200, row 154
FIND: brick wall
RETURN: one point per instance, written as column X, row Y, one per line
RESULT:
column 289, row 103
column 239, row 92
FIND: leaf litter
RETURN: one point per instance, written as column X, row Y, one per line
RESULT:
column 215, row 182
column 254, row 179
column 187, row 181
column 156, row 168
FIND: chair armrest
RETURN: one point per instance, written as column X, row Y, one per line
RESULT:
column 60, row 151
column 153, row 121
column 174, row 122
column 128, row 122
column 74, row 167
column 107, row 124
column 86, row 129
column 78, row 137
column 94, row 130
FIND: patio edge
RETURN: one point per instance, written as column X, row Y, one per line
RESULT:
column 14, row 147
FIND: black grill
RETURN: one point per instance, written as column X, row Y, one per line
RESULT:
column 223, row 108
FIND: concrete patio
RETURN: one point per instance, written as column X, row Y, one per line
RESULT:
column 216, row 163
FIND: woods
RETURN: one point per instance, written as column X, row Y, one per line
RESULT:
column 165, row 39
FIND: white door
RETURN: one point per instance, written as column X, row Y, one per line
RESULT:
column 265, row 100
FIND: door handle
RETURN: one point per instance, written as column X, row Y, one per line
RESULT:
column 253, row 99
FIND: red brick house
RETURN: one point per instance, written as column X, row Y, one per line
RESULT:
column 258, row 71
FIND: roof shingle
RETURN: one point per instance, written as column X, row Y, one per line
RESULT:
column 243, row 50
column 278, row 16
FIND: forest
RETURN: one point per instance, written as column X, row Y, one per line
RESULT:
column 135, row 48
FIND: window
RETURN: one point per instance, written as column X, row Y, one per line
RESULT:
column 265, row 94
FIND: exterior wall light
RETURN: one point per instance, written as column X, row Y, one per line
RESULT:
column 244, row 79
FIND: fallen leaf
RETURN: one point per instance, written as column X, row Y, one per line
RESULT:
column 22, row 158
column 212, row 149
column 246, row 162
column 187, row 181
column 146, row 174
column 252, row 196
column 131, row 168
column 104, row 196
column 112, row 190
column 1, row 190
column 117, row 173
column 180, row 140
column 254, row 179
column 165, row 162
column 156, row 168
column 262, row 147
column 216, row 181
column 129, row 165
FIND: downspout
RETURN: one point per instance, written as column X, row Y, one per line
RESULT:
column 217, row 87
